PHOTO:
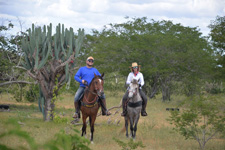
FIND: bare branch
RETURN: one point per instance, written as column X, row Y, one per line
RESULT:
column 32, row 75
column 67, row 61
column 18, row 82
column 19, row 67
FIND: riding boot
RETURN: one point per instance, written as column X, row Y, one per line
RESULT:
column 143, row 110
column 103, row 107
column 77, row 112
column 124, row 113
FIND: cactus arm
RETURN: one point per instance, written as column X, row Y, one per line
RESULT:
column 79, row 41
column 36, row 55
column 55, row 47
column 68, row 83
column 42, row 63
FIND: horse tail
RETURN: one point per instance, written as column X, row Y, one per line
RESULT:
column 124, row 128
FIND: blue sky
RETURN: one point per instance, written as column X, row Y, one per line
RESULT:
column 94, row 14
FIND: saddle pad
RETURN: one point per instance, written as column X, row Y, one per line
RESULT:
column 135, row 104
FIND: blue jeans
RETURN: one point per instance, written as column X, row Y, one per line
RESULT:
column 80, row 91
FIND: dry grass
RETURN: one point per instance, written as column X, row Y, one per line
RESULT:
column 154, row 131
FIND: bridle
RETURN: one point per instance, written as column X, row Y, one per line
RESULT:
column 132, row 91
column 95, row 93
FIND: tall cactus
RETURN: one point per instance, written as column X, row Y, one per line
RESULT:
column 49, row 58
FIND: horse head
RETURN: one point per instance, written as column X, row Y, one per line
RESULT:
column 133, row 88
column 98, row 84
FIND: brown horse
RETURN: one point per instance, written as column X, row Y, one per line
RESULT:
column 90, row 104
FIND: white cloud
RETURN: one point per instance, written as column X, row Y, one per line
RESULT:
column 89, row 14
column 99, row 6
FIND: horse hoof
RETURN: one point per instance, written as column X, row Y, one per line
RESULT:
column 92, row 142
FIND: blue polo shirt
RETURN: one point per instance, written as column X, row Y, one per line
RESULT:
column 85, row 73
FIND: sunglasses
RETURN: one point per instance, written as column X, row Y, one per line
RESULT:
column 135, row 67
column 90, row 60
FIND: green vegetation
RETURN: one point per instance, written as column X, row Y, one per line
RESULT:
column 178, row 63
column 61, row 140
column 130, row 145
column 201, row 120
column 154, row 131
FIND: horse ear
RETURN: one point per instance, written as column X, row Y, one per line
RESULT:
column 102, row 75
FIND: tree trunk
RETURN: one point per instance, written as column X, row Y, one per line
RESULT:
column 165, row 90
column 49, row 109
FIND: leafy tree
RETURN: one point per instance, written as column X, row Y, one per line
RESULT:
column 201, row 121
column 167, row 52
column 7, row 53
column 217, row 34
column 217, row 37
column 10, row 57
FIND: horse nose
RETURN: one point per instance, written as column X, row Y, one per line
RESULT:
column 130, row 95
column 100, row 92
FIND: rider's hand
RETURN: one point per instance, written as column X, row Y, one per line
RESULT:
column 84, row 81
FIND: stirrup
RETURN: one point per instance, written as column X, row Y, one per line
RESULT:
column 108, row 113
column 123, row 114
column 76, row 116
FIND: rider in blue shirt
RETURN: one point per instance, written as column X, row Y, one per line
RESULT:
column 84, row 76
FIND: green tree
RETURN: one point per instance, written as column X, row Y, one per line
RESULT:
column 10, row 56
column 168, row 53
column 202, row 118
column 217, row 37
column 7, row 53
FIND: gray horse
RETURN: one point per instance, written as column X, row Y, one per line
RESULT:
column 134, row 106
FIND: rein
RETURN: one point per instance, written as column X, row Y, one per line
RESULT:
column 135, row 93
column 93, row 102
column 136, row 104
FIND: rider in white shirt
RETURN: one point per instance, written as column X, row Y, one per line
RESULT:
column 135, row 74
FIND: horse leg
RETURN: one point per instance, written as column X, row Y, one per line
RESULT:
column 90, row 122
column 131, row 127
column 84, row 117
column 135, row 126
column 126, row 125
column 92, row 126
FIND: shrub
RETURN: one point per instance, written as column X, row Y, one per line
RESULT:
column 201, row 121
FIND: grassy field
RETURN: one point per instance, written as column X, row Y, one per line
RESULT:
column 154, row 131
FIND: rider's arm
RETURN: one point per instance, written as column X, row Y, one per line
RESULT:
column 142, row 82
column 129, row 78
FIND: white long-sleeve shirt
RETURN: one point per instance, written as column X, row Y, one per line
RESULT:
column 139, row 77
